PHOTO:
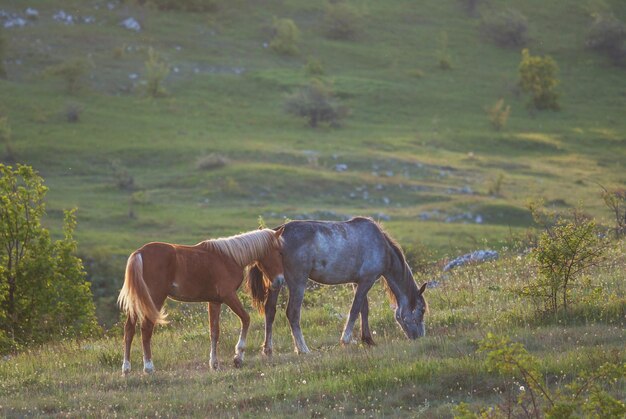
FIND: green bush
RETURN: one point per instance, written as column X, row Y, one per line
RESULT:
column 565, row 250
column 6, row 138
column 3, row 46
column 71, row 72
column 342, row 21
column 607, row 34
column 538, row 78
column 156, row 72
column 528, row 394
column 499, row 114
column 209, row 6
column 43, row 289
column 286, row 37
column 507, row 28
column 314, row 67
column 315, row 102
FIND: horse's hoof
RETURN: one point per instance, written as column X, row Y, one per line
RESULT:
column 215, row 365
column 267, row 352
column 368, row 341
column 148, row 371
column 238, row 362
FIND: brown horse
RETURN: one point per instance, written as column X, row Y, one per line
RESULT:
column 211, row 271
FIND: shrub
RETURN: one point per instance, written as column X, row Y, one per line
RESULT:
column 42, row 283
column 507, row 28
column 123, row 179
column 71, row 71
column 3, row 45
column 538, row 77
column 615, row 201
column 495, row 189
column 211, row 161
column 527, row 394
column 314, row 67
column 286, row 37
column 342, row 21
column 443, row 56
column 6, row 138
column 607, row 34
column 565, row 250
column 156, row 71
column 73, row 111
column 316, row 103
column 470, row 6
column 499, row 114
column 209, row 6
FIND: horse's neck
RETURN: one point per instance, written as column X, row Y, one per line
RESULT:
column 400, row 281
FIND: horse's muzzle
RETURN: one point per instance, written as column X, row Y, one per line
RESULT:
column 278, row 282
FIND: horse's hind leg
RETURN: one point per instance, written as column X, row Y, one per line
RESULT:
column 235, row 305
column 129, row 333
column 214, row 324
column 147, row 327
column 270, row 313
column 296, row 295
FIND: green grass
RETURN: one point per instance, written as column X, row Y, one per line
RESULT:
column 414, row 147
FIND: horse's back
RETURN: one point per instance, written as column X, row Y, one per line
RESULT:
column 334, row 252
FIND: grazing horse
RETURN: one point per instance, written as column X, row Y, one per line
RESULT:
column 357, row 251
column 211, row 271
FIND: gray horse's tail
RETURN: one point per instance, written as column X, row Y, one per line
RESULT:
column 258, row 286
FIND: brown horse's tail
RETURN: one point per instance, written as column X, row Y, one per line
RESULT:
column 258, row 286
column 134, row 298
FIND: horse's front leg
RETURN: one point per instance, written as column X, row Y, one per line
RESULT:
column 366, row 334
column 214, row 324
column 270, row 313
column 360, row 295
column 294, row 306
column 235, row 305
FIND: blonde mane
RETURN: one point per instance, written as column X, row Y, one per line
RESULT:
column 244, row 248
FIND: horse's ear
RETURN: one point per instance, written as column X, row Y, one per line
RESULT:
column 279, row 232
column 422, row 288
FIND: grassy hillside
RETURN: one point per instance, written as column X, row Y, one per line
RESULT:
column 421, row 156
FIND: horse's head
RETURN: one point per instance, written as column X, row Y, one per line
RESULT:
column 412, row 321
column 271, row 264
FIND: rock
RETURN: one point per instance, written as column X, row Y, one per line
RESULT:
column 16, row 22
column 474, row 257
column 63, row 17
column 131, row 24
column 341, row 167
column 32, row 14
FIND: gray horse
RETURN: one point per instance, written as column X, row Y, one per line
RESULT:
column 356, row 251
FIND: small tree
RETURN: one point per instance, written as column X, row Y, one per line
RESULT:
column 615, row 201
column 499, row 114
column 607, row 34
column 3, row 45
column 342, row 21
column 43, row 292
column 156, row 72
column 6, row 138
column 528, row 395
column 507, row 28
column 286, row 37
column 566, row 249
column 538, row 78
column 71, row 71
column 316, row 103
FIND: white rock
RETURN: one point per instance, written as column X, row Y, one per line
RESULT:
column 131, row 24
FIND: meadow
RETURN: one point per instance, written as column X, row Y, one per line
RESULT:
column 217, row 150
